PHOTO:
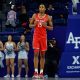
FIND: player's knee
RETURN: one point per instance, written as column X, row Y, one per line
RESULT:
column 36, row 53
column 42, row 56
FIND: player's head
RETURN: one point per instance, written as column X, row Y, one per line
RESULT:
column 42, row 8
column 22, row 38
column 9, row 38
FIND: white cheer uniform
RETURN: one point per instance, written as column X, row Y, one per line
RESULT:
column 9, row 51
column 22, row 54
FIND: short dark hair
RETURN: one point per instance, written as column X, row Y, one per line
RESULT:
column 42, row 4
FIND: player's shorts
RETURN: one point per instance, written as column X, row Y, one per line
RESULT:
column 40, row 43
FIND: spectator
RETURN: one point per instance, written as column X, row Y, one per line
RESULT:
column 50, row 10
column 23, row 18
column 50, row 7
column 11, row 18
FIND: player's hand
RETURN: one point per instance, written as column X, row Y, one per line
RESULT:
column 35, row 23
column 44, row 24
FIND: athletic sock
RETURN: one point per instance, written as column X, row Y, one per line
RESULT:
column 41, row 70
column 36, row 70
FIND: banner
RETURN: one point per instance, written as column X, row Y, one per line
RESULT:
column 70, row 59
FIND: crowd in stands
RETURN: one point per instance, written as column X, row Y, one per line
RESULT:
column 24, row 9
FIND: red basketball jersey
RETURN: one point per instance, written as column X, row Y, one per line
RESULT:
column 40, row 30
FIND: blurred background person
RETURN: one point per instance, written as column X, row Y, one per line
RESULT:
column 11, row 18
column 50, row 7
column 9, row 49
column 51, row 59
column 24, row 20
column 74, row 2
column 23, row 50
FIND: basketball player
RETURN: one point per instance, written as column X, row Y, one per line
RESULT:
column 23, row 48
column 1, row 54
column 40, row 22
column 9, row 49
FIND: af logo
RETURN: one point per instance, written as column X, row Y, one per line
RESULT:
column 76, row 60
column 73, row 40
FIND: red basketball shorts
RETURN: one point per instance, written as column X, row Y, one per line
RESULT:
column 40, row 43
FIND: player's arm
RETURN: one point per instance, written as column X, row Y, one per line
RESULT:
column 1, row 46
column 27, row 46
column 32, row 22
column 50, row 27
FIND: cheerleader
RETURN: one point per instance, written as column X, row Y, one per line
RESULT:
column 23, row 49
column 9, row 49
column 1, row 54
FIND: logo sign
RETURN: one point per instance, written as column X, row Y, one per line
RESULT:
column 76, row 60
column 75, row 64
column 73, row 40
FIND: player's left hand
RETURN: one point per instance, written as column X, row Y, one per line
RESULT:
column 44, row 24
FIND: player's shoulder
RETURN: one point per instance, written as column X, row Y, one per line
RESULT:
column 49, row 17
column 34, row 15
